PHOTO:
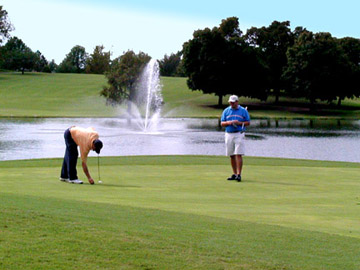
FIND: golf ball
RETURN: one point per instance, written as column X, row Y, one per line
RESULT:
column 100, row 181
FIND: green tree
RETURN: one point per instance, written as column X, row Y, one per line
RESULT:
column 99, row 61
column 17, row 56
column 52, row 66
column 5, row 26
column 74, row 62
column 219, row 61
column 122, row 78
column 351, row 48
column 273, row 42
column 298, row 31
column 254, row 75
column 41, row 64
column 170, row 65
column 317, row 67
column 204, row 62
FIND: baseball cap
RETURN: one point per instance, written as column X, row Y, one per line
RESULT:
column 98, row 145
column 233, row 98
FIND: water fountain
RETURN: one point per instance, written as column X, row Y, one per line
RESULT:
column 146, row 109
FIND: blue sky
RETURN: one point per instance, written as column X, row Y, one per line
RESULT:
column 160, row 27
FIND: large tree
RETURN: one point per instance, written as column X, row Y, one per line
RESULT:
column 351, row 48
column 75, row 61
column 5, row 26
column 99, row 61
column 17, row 56
column 273, row 42
column 203, row 62
column 123, row 76
column 41, row 64
column 317, row 67
column 218, row 61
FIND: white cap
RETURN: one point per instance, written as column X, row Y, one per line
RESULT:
column 233, row 98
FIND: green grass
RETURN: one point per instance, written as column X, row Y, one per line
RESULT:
column 173, row 212
column 77, row 95
column 179, row 212
column 52, row 95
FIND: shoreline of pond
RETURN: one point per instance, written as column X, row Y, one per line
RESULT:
column 325, row 118
column 300, row 139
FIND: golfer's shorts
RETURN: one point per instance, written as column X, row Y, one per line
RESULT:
column 235, row 143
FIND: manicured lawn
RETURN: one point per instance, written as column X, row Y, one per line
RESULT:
column 179, row 212
column 77, row 95
column 173, row 212
column 52, row 95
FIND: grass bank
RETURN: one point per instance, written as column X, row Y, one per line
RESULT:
column 179, row 212
column 77, row 95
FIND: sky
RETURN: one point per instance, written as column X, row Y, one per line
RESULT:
column 159, row 27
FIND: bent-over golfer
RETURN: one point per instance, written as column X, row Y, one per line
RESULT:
column 235, row 118
column 87, row 139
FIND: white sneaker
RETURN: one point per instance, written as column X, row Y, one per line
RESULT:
column 76, row 181
column 64, row 179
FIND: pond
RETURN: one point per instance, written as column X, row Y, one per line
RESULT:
column 304, row 139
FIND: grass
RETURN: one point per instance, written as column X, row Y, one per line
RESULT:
column 77, row 95
column 52, row 95
column 178, row 212
column 173, row 212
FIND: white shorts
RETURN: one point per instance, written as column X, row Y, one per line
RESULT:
column 235, row 143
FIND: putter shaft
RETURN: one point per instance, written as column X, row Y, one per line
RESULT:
column 99, row 167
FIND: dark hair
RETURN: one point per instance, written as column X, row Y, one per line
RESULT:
column 98, row 145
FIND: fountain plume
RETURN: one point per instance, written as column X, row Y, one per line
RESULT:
column 146, row 108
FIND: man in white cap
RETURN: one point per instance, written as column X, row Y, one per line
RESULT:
column 235, row 118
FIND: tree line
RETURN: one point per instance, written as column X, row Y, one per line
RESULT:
column 274, row 61
column 263, row 62
column 16, row 55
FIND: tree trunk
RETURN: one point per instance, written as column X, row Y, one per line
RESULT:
column 277, row 94
column 130, row 102
column 277, row 98
column 129, row 114
column 220, row 100
column 312, row 105
column 339, row 102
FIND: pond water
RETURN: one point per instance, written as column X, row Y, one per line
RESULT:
column 304, row 139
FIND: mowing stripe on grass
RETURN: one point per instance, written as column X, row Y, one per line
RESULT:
column 54, row 233
column 179, row 212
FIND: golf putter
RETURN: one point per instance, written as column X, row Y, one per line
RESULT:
column 99, row 169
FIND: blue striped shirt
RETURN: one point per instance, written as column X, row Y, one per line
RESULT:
column 239, row 114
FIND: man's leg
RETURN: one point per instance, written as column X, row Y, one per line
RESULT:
column 230, row 147
column 64, row 169
column 239, row 151
column 239, row 164
column 73, row 156
column 233, row 161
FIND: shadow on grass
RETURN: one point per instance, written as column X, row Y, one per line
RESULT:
column 113, row 185
column 277, row 183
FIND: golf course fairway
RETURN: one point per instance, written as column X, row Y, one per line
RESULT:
column 180, row 212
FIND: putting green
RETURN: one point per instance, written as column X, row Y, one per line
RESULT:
column 179, row 212
column 304, row 195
